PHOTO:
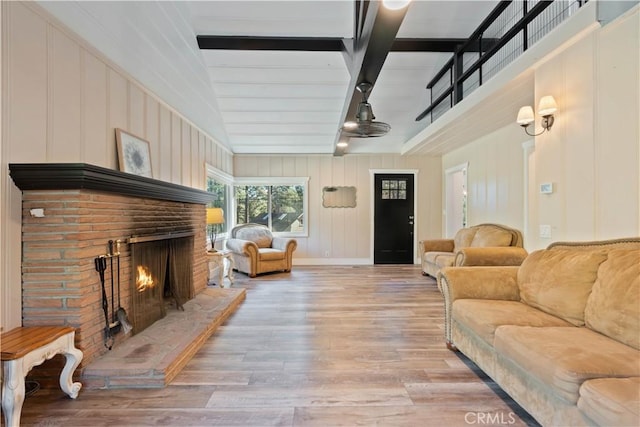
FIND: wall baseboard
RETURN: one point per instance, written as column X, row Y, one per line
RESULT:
column 333, row 261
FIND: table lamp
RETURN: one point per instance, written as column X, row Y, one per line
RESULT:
column 215, row 216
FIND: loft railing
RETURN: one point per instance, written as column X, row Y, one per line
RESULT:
column 509, row 30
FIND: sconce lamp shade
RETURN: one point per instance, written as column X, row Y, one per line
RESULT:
column 547, row 106
column 215, row 216
column 525, row 116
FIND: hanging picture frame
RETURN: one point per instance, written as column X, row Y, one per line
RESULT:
column 134, row 154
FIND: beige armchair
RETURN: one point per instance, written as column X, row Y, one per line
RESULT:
column 480, row 245
column 255, row 250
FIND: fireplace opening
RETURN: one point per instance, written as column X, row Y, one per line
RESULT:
column 162, row 275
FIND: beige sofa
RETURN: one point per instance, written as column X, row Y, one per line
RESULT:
column 483, row 244
column 255, row 250
column 560, row 334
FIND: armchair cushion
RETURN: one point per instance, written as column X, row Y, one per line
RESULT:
column 261, row 236
column 491, row 236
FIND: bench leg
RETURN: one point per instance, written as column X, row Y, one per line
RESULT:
column 13, row 392
column 74, row 357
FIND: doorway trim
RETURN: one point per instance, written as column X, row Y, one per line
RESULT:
column 372, row 176
column 448, row 181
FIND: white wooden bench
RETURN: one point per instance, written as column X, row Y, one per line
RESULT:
column 25, row 347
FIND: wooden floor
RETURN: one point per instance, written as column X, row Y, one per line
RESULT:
column 322, row 346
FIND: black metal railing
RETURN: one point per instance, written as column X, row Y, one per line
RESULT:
column 509, row 30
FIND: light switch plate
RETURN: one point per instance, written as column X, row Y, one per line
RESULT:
column 546, row 188
column 545, row 231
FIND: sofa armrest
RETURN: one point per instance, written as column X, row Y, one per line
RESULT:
column 480, row 282
column 437, row 245
column 490, row 256
column 500, row 283
column 245, row 247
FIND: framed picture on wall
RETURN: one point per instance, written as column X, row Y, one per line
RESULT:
column 134, row 154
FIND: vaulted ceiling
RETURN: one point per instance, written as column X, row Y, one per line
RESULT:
column 280, row 76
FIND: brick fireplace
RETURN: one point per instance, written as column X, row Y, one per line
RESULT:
column 70, row 212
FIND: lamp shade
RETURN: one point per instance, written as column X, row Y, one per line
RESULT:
column 547, row 106
column 525, row 116
column 215, row 216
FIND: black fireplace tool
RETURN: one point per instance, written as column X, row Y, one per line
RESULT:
column 115, row 324
column 101, row 267
column 121, row 314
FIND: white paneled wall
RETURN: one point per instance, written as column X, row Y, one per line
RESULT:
column 592, row 153
column 345, row 233
column 495, row 177
column 61, row 101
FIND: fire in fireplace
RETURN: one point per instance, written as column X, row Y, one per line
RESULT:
column 162, row 268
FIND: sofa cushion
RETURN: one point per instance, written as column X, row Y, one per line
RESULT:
column 563, row 358
column 484, row 316
column 441, row 259
column 463, row 238
column 559, row 282
column 261, row 236
column 611, row 401
column 613, row 308
column 488, row 236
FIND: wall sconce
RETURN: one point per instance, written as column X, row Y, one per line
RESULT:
column 546, row 108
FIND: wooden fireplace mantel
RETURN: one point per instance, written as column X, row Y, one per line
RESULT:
column 75, row 176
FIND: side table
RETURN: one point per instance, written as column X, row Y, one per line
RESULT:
column 223, row 261
column 29, row 346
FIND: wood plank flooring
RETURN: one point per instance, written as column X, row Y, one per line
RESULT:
column 321, row 346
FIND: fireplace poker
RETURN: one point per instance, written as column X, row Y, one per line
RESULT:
column 101, row 266
column 121, row 314
column 114, row 325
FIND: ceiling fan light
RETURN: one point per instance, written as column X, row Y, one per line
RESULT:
column 395, row 4
column 365, row 112
column 350, row 125
column 365, row 126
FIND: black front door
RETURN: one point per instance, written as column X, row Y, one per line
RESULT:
column 393, row 219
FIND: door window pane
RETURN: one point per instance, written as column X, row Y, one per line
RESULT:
column 394, row 189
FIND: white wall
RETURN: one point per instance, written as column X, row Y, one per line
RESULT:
column 346, row 232
column 495, row 177
column 61, row 101
column 592, row 153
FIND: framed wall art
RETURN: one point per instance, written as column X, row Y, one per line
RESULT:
column 134, row 154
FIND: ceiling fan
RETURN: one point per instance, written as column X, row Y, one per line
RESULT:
column 365, row 126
